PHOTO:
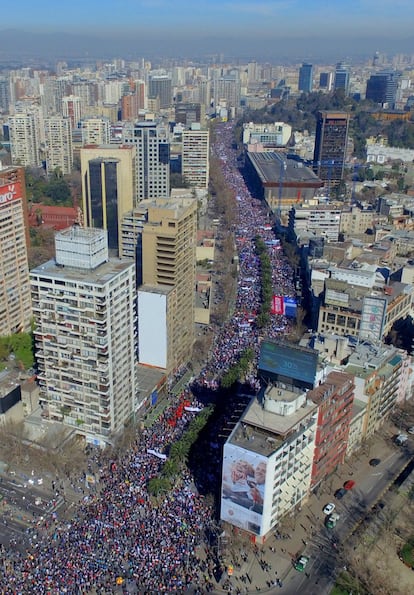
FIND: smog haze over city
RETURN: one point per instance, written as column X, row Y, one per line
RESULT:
column 265, row 29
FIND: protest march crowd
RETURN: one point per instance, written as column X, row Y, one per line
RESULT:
column 119, row 535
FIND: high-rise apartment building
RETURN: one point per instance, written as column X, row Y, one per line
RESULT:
column 72, row 108
column 227, row 90
column 108, row 187
column 15, row 302
column 195, row 157
column 151, row 140
column 168, row 261
column 305, row 78
column 59, row 152
column 4, row 94
column 190, row 113
column 330, row 146
column 85, row 335
column 96, row 131
column 160, row 87
column 25, row 140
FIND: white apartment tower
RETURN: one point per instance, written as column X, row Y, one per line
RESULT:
column 72, row 108
column 85, row 334
column 25, row 140
column 153, row 158
column 58, row 134
column 195, row 157
column 96, row 131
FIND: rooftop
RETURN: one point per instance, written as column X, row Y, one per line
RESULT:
column 275, row 168
column 263, row 432
column 99, row 276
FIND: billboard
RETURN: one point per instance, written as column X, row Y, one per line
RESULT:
column 9, row 192
column 373, row 318
column 243, row 488
column 289, row 362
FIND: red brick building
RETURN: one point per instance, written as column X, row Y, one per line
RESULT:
column 335, row 399
column 50, row 216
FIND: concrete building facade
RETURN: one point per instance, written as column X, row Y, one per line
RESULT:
column 195, row 157
column 108, row 187
column 15, row 302
column 168, row 259
column 85, row 335
column 59, row 152
column 152, row 171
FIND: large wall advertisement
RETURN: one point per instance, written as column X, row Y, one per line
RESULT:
column 373, row 318
column 9, row 192
column 243, row 488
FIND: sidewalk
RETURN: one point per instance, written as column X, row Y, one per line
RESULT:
column 274, row 559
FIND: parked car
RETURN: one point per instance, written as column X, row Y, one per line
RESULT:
column 375, row 462
column 329, row 508
column 411, row 430
column 400, row 439
column 339, row 494
column 332, row 520
column 348, row 485
column 301, row 563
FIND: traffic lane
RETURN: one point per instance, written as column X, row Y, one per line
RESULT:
column 316, row 579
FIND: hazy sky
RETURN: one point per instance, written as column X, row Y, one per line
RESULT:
column 371, row 23
column 210, row 15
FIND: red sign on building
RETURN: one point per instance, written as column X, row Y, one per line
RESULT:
column 9, row 192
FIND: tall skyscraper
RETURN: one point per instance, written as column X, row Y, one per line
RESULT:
column 342, row 77
column 325, row 80
column 195, row 156
column 305, row 78
column 15, row 301
column 108, row 187
column 72, row 108
column 58, row 135
column 382, row 87
column 227, row 89
column 168, row 263
column 159, row 87
column 25, row 140
column 153, row 158
column 4, row 94
column 330, row 146
column 86, row 345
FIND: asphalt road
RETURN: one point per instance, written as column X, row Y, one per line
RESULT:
column 22, row 506
column 324, row 548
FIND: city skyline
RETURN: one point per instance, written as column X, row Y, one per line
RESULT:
column 253, row 29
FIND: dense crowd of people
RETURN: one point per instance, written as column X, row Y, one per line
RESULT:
column 120, row 535
column 253, row 219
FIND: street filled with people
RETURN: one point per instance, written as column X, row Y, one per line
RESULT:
column 120, row 537
column 253, row 219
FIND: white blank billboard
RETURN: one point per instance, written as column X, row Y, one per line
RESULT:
column 152, row 328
